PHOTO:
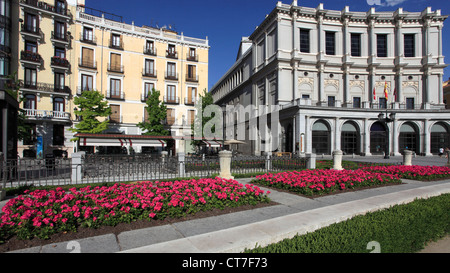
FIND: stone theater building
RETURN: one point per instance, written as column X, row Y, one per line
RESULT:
column 366, row 83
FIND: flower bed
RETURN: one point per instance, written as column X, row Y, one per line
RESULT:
column 41, row 213
column 317, row 182
column 424, row 173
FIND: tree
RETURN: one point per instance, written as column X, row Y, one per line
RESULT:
column 200, row 121
column 12, row 86
column 157, row 112
column 90, row 106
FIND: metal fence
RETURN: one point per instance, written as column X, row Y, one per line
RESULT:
column 124, row 168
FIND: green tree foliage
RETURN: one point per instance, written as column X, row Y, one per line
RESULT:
column 157, row 112
column 90, row 106
column 200, row 120
column 12, row 86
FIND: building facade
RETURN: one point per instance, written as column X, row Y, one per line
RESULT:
column 61, row 48
column 336, row 77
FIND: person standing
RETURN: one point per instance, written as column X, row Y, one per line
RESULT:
column 441, row 151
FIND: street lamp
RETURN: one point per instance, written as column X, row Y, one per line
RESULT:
column 386, row 120
column 223, row 106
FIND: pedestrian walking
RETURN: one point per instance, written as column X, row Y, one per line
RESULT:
column 441, row 152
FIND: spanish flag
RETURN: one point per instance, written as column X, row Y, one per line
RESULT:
column 385, row 90
column 374, row 95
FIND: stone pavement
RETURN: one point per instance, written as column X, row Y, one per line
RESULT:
column 236, row 231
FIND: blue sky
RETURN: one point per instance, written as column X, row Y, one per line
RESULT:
column 224, row 22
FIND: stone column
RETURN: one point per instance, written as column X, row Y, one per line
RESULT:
column 337, row 160
column 407, row 157
column 311, row 161
column 77, row 165
column 181, row 164
column 225, row 164
column 426, row 138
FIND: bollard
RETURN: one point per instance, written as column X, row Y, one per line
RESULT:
column 77, row 162
column 407, row 157
column 310, row 161
column 225, row 164
column 337, row 160
column 181, row 165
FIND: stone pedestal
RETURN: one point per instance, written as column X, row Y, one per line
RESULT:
column 337, row 160
column 225, row 164
column 77, row 162
column 407, row 157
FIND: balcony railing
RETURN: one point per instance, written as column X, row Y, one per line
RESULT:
column 170, row 75
column 81, row 89
column 90, row 39
column 39, row 86
column 46, row 114
column 118, row 95
column 116, row 44
column 63, row 37
column 192, row 57
column 115, row 68
column 87, row 63
column 150, row 51
column 30, row 56
column 35, row 30
column 171, row 54
column 172, row 100
column 58, row 61
column 191, row 78
column 149, row 73
column 46, row 6
column 190, row 101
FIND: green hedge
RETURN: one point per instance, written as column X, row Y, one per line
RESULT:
column 399, row 229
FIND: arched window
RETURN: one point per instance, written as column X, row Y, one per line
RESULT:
column 321, row 137
column 408, row 138
column 350, row 138
column 440, row 137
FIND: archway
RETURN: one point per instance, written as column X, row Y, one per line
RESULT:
column 378, row 138
column 350, row 138
column 440, row 137
column 408, row 138
column 321, row 137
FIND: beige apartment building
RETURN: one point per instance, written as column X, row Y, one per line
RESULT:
column 65, row 48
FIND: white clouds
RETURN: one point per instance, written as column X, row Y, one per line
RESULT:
column 388, row 3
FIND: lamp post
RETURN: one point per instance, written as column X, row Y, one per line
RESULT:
column 385, row 121
column 223, row 106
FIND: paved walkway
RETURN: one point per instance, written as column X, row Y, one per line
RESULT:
column 236, row 231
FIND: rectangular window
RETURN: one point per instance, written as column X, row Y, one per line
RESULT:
column 409, row 103
column 409, row 45
column 148, row 88
column 356, row 102
column 116, row 61
column 171, row 70
column 192, row 95
column 191, row 117
column 87, row 83
column 305, row 96
column 115, row 113
column 271, row 43
column 59, row 81
column 149, row 67
column 331, row 101
column 171, row 93
column 31, row 23
column 356, row 44
column 88, row 34
column 115, row 88
column 60, row 52
column 58, row 104
column 304, row 40
column 192, row 73
column 382, row 45
column 170, row 116
column 30, row 77
column 115, row 41
column 31, row 46
column 260, row 50
column 60, row 30
column 383, row 103
column 150, row 47
column 87, row 57
column 330, row 43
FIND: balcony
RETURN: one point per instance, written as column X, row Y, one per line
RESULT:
column 149, row 73
column 30, row 57
column 115, row 95
column 192, row 57
column 171, row 100
column 115, row 68
column 190, row 101
column 46, row 114
column 32, row 31
column 170, row 75
column 191, row 78
column 47, row 7
column 89, row 39
column 87, row 63
column 60, row 62
column 171, row 54
column 81, row 89
column 150, row 51
column 60, row 38
column 47, row 87
column 114, row 44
